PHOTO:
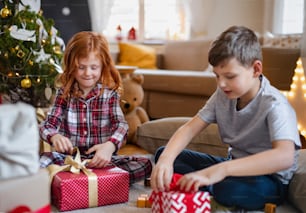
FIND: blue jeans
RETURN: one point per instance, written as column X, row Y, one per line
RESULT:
column 248, row 193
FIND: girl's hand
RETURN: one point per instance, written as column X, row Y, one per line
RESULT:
column 161, row 176
column 61, row 144
column 103, row 154
column 191, row 182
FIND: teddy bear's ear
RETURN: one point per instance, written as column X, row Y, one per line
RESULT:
column 138, row 78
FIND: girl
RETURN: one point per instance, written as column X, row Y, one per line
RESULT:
column 86, row 112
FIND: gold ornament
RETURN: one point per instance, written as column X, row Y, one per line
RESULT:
column 57, row 50
column 26, row 83
column 5, row 12
column 31, row 63
column 13, row 50
column 43, row 42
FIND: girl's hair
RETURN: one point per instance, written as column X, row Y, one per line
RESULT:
column 236, row 42
column 79, row 46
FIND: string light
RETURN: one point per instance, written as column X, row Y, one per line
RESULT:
column 297, row 96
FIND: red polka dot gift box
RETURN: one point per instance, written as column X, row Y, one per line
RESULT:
column 72, row 189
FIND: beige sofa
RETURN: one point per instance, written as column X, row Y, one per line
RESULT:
column 184, row 80
column 154, row 134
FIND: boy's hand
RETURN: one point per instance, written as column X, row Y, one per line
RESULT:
column 194, row 180
column 103, row 154
column 61, row 144
column 161, row 176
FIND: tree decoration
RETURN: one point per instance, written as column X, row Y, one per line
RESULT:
column 30, row 52
column 5, row 12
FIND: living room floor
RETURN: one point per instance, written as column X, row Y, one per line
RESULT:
column 139, row 188
column 131, row 149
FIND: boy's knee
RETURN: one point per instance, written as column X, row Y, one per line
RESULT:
column 233, row 194
column 158, row 153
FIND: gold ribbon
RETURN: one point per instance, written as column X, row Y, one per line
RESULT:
column 75, row 165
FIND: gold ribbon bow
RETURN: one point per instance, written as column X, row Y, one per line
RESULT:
column 75, row 165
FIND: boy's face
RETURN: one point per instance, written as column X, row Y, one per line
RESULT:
column 238, row 81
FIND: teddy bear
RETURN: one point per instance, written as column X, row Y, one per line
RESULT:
column 131, row 100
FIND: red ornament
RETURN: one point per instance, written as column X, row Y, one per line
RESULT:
column 132, row 34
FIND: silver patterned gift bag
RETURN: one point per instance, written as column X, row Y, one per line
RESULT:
column 19, row 140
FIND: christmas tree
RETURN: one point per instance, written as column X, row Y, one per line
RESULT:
column 30, row 52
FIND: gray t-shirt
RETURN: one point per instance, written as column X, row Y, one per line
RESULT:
column 268, row 117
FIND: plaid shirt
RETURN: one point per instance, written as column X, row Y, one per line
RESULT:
column 86, row 122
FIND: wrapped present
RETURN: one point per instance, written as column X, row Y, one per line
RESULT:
column 89, row 188
column 31, row 191
column 177, row 201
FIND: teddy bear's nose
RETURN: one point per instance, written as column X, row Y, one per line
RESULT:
column 126, row 105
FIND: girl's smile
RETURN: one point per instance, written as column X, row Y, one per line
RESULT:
column 88, row 72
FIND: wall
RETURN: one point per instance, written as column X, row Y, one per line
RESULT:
column 236, row 12
column 69, row 16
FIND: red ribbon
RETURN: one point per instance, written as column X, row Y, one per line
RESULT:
column 173, row 185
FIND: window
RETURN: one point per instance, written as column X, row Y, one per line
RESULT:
column 153, row 20
column 179, row 19
column 289, row 16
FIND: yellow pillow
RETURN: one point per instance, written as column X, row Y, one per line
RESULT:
column 138, row 55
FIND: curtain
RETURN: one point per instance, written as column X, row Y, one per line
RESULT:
column 198, row 13
column 100, row 11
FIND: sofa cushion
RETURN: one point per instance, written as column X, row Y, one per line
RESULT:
column 154, row 134
column 279, row 65
column 186, row 55
column 297, row 186
column 138, row 55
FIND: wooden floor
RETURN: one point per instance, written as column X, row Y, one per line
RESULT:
column 131, row 149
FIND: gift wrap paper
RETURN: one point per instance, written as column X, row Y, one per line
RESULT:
column 73, row 191
column 174, row 201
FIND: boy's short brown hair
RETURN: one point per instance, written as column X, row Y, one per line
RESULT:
column 237, row 42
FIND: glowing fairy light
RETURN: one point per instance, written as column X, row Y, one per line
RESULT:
column 297, row 96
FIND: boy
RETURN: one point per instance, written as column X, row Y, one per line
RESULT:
column 253, row 117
